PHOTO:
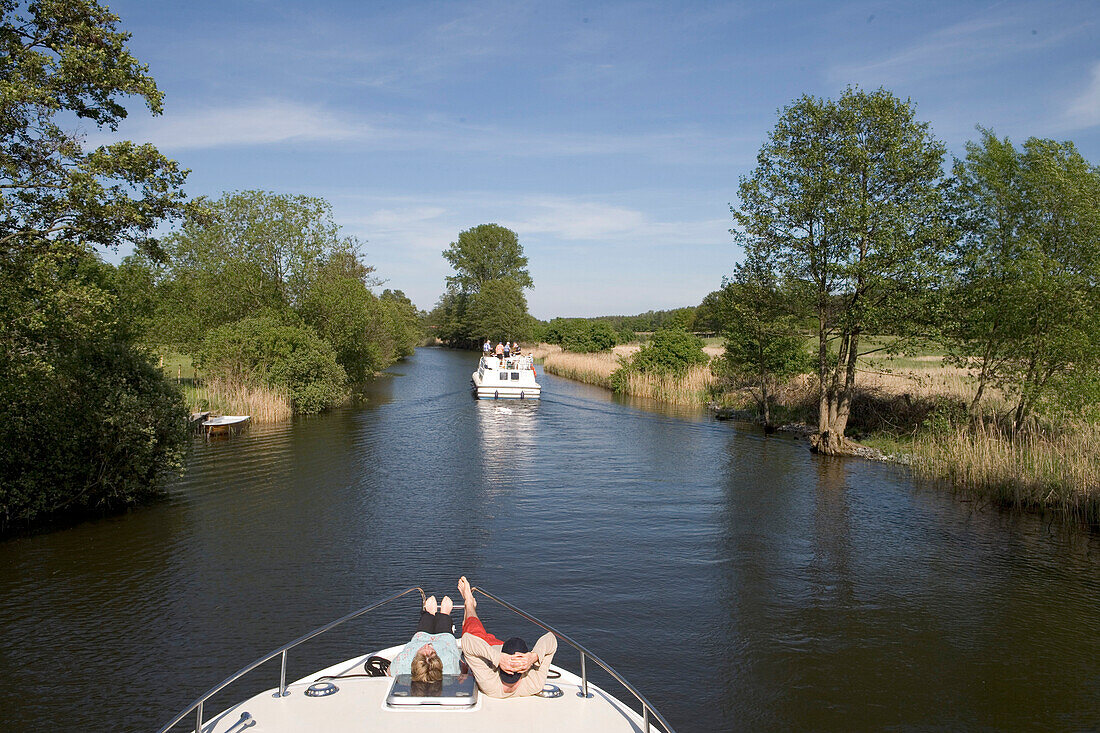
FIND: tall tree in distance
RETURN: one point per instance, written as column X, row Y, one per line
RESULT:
column 485, row 253
column 484, row 297
column 845, row 206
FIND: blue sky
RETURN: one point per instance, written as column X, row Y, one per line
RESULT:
column 609, row 136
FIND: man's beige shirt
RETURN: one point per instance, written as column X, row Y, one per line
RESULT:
column 483, row 661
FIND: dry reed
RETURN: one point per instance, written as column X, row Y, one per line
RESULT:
column 263, row 404
column 1033, row 470
column 691, row 388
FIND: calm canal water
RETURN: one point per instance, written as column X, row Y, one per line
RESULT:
column 738, row 581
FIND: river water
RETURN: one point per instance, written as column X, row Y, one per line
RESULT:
column 738, row 581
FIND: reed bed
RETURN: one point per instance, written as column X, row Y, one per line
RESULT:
column 1036, row 469
column 263, row 404
column 588, row 368
column 691, row 388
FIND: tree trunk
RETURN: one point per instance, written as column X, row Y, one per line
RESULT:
column 764, row 403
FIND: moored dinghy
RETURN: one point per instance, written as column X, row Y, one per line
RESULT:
column 343, row 698
column 510, row 378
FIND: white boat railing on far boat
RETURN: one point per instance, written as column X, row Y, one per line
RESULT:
column 649, row 713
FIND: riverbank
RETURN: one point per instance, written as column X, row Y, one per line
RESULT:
column 912, row 413
column 696, row 386
column 919, row 419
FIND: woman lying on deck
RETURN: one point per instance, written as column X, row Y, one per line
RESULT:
column 433, row 650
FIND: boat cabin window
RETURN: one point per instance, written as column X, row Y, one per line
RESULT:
column 515, row 375
column 504, row 376
column 455, row 691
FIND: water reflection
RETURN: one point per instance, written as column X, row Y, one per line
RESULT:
column 507, row 435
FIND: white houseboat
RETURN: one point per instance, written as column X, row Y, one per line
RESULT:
column 356, row 696
column 509, row 378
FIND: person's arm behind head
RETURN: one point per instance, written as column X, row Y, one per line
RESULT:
column 534, row 680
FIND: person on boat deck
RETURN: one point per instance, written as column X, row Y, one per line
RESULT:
column 500, row 351
column 515, row 348
column 487, row 348
column 503, row 668
column 433, row 649
column 507, row 349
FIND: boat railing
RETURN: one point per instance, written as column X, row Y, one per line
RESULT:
column 197, row 705
column 648, row 710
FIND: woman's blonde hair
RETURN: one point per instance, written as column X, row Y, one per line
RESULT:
column 427, row 669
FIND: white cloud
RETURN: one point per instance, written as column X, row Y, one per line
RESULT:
column 260, row 123
column 281, row 122
column 950, row 51
column 1084, row 110
column 573, row 219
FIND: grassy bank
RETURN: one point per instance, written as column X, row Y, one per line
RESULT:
column 694, row 387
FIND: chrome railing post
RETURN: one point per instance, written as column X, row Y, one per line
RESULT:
column 198, row 719
column 645, row 718
column 282, row 679
column 584, row 679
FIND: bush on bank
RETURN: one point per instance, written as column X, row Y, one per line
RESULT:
column 90, row 431
column 287, row 357
column 580, row 335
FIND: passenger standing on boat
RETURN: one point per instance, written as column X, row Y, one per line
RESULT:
column 516, row 349
column 507, row 349
column 500, row 352
column 487, row 348
column 503, row 668
column 433, row 649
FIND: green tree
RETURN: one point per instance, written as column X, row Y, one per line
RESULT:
column 405, row 326
column 1024, row 310
column 252, row 251
column 670, row 351
column 86, row 422
column 486, row 253
column 763, row 345
column 497, row 311
column 845, row 205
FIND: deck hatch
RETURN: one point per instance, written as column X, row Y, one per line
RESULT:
column 455, row 691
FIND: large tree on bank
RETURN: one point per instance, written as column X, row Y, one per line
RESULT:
column 86, row 422
column 1025, row 288
column 845, row 207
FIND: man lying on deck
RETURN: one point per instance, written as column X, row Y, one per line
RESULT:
column 503, row 668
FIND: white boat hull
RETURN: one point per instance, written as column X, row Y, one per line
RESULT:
column 515, row 380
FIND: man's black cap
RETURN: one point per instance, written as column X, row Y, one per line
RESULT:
column 515, row 645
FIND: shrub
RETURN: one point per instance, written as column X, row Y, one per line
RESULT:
column 96, row 430
column 269, row 351
column 671, row 350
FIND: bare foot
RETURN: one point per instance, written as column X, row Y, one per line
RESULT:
column 446, row 605
column 467, row 594
column 430, row 605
